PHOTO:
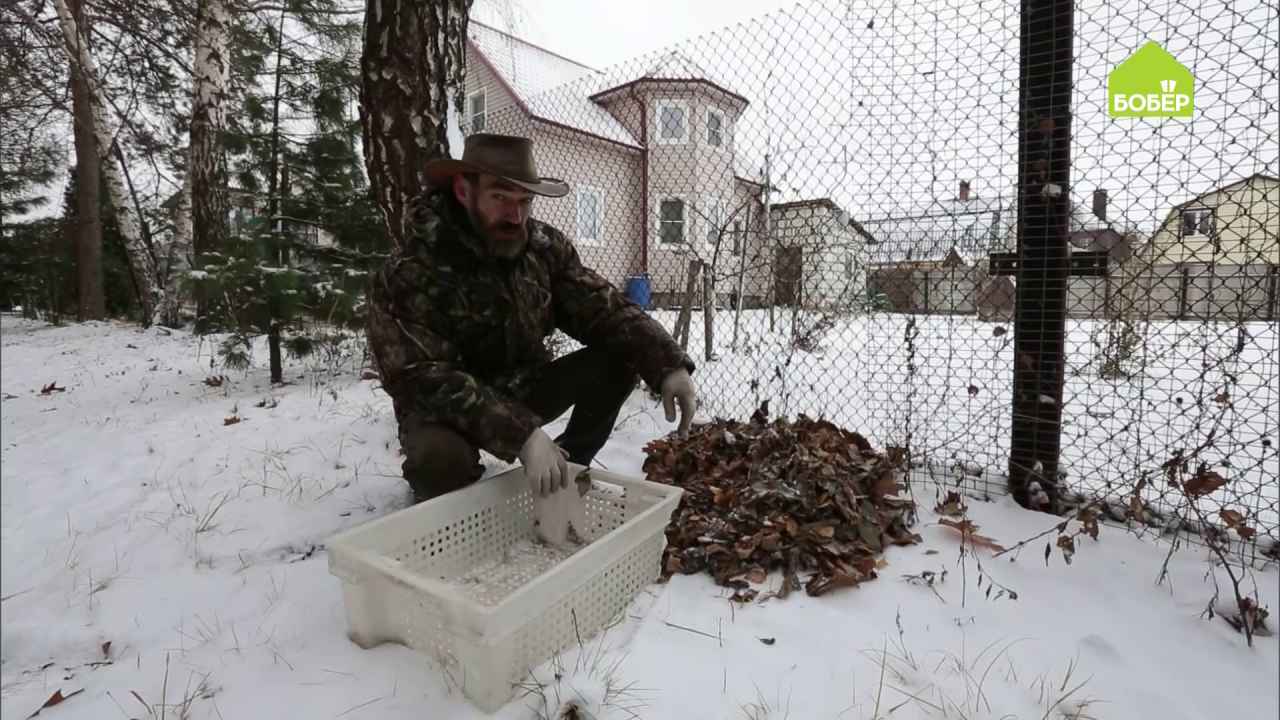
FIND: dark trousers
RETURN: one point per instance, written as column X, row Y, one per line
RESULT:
column 439, row 460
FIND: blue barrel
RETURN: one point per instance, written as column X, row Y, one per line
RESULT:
column 639, row 290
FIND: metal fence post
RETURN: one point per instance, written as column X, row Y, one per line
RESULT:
column 1044, row 170
column 1273, row 292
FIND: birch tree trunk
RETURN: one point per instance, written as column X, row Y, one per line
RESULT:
column 208, row 164
column 88, row 230
column 127, row 220
column 414, row 54
column 178, row 255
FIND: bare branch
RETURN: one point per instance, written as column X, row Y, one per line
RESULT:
column 153, row 44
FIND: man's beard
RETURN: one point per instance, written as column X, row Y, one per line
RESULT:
column 502, row 239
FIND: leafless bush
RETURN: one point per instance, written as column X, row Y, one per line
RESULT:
column 807, row 336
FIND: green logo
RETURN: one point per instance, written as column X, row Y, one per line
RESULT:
column 1150, row 84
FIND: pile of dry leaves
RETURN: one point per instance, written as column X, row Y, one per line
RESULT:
column 803, row 498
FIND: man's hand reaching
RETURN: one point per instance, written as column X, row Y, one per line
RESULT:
column 546, row 465
column 677, row 387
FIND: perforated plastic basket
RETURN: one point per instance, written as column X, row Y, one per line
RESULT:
column 462, row 579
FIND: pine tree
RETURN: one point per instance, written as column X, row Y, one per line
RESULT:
column 298, row 179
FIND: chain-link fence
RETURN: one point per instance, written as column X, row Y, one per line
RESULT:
column 823, row 205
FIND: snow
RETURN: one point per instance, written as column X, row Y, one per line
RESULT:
column 134, row 514
column 529, row 69
column 552, row 87
column 1114, row 431
column 572, row 106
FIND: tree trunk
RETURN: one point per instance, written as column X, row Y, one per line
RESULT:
column 178, row 256
column 88, row 231
column 128, row 221
column 686, row 306
column 742, row 271
column 62, row 277
column 709, row 314
column 276, row 242
column 772, row 253
column 414, row 54
column 208, row 164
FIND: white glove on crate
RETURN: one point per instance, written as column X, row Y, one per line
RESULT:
column 561, row 512
column 546, row 465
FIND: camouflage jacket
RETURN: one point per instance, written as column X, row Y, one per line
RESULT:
column 458, row 334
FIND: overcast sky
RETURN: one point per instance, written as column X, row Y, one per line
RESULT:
column 881, row 105
column 602, row 33
column 870, row 99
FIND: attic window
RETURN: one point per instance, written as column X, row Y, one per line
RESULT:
column 673, row 122
column 476, row 111
column 1197, row 222
column 715, row 128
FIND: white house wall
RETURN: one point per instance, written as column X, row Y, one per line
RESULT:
column 612, row 171
column 826, row 240
column 498, row 99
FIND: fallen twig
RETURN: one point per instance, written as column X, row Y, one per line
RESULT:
column 689, row 629
column 357, row 707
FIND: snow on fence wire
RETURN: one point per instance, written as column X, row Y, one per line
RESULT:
column 824, row 206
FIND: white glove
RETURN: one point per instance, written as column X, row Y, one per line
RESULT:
column 546, row 465
column 678, row 386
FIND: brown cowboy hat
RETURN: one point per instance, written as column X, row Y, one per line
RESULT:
column 509, row 157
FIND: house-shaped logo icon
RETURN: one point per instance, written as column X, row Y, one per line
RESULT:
column 1150, row 84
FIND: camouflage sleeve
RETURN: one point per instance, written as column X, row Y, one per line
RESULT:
column 421, row 369
column 592, row 311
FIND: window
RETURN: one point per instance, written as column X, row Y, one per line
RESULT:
column 238, row 219
column 672, row 119
column 1197, row 222
column 715, row 128
column 850, row 264
column 671, row 225
column 712, row 220
column 736, row 233
column 476, row 111
column 590, row 214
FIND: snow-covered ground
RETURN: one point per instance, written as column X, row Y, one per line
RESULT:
column 955, row 404
column 134, row 515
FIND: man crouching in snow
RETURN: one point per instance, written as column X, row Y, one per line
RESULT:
column 457, row 319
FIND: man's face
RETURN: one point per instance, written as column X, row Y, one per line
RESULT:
column 499, row 210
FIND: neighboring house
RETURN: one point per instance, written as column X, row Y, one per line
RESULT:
column 1115, row 293
column 246, row 210
column 932, row 258
column 1117, row 245
column 820, row 255
column 651, row 157
column 1237, row 224
column 971, row 227
column 1214, row 257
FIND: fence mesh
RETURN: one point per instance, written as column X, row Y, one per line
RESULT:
column 823, row 205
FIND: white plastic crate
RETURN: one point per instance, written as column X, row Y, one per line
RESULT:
column 462, row 579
